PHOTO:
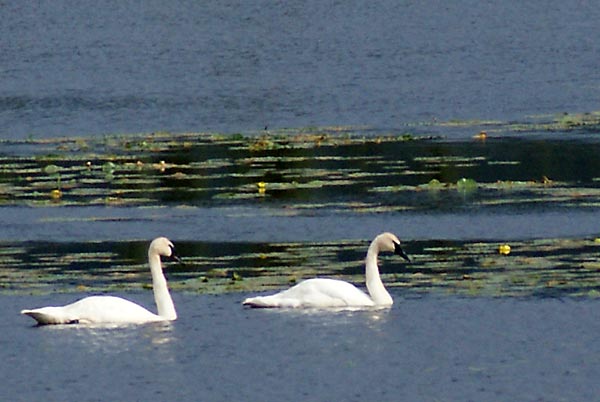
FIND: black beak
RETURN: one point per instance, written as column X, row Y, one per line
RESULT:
column 174, row 257
column 398, row 251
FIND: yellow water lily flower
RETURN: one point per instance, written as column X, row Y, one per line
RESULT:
column 504, row 249
column 482, row 136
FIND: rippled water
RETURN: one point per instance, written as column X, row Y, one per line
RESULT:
column 81, row 69
column 313, row 126
column 427, row 348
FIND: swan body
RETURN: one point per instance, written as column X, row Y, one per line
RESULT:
column 323, row 292
column 116, row 310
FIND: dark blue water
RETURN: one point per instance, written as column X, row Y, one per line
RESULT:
column 443, row 349
column 89, row 69
column 119, row 67
column 274, row 225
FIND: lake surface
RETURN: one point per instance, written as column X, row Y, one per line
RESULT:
column 426, row 348
column 80, row 69
column 271, row 141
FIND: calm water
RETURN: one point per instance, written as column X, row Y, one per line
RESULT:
column 84, row 69
column 429, row 348
column 80, row 69
column 269, row 225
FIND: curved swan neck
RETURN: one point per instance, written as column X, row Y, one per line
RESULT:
column 164, row 302
column 376, row 289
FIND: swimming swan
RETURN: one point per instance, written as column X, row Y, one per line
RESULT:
column 111, row 309
column 321, row 292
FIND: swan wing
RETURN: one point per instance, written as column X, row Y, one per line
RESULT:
column 93, row 310
column 317, row 292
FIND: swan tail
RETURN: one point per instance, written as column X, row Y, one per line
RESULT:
column 271, row 301
column 48, row 315
column 257, row 302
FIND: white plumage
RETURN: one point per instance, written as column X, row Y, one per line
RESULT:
column 116, row 310
column 322, row 292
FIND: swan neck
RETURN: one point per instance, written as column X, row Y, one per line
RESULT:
column 162, row 297
column 375, row 286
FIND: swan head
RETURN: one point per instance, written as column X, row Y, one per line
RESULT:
column 389, row 242
column 163, row 246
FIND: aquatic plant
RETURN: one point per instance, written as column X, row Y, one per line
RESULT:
column 305, row 168
column 541, row 267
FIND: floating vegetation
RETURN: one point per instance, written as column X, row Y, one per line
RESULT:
column 543, row 267
column 466, row 185
column 564, row 122
column 300, row 172
column 300, row 169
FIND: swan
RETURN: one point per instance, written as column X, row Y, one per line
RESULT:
column 115, row 310
column 322, row 292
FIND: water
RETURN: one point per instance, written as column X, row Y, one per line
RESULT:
column 428, row 348
column 468, row 323
column 80, row 69
column 193, row 188
column 268, row 225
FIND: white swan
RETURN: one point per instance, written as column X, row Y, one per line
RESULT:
column 115, row 310
column 321, row 292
